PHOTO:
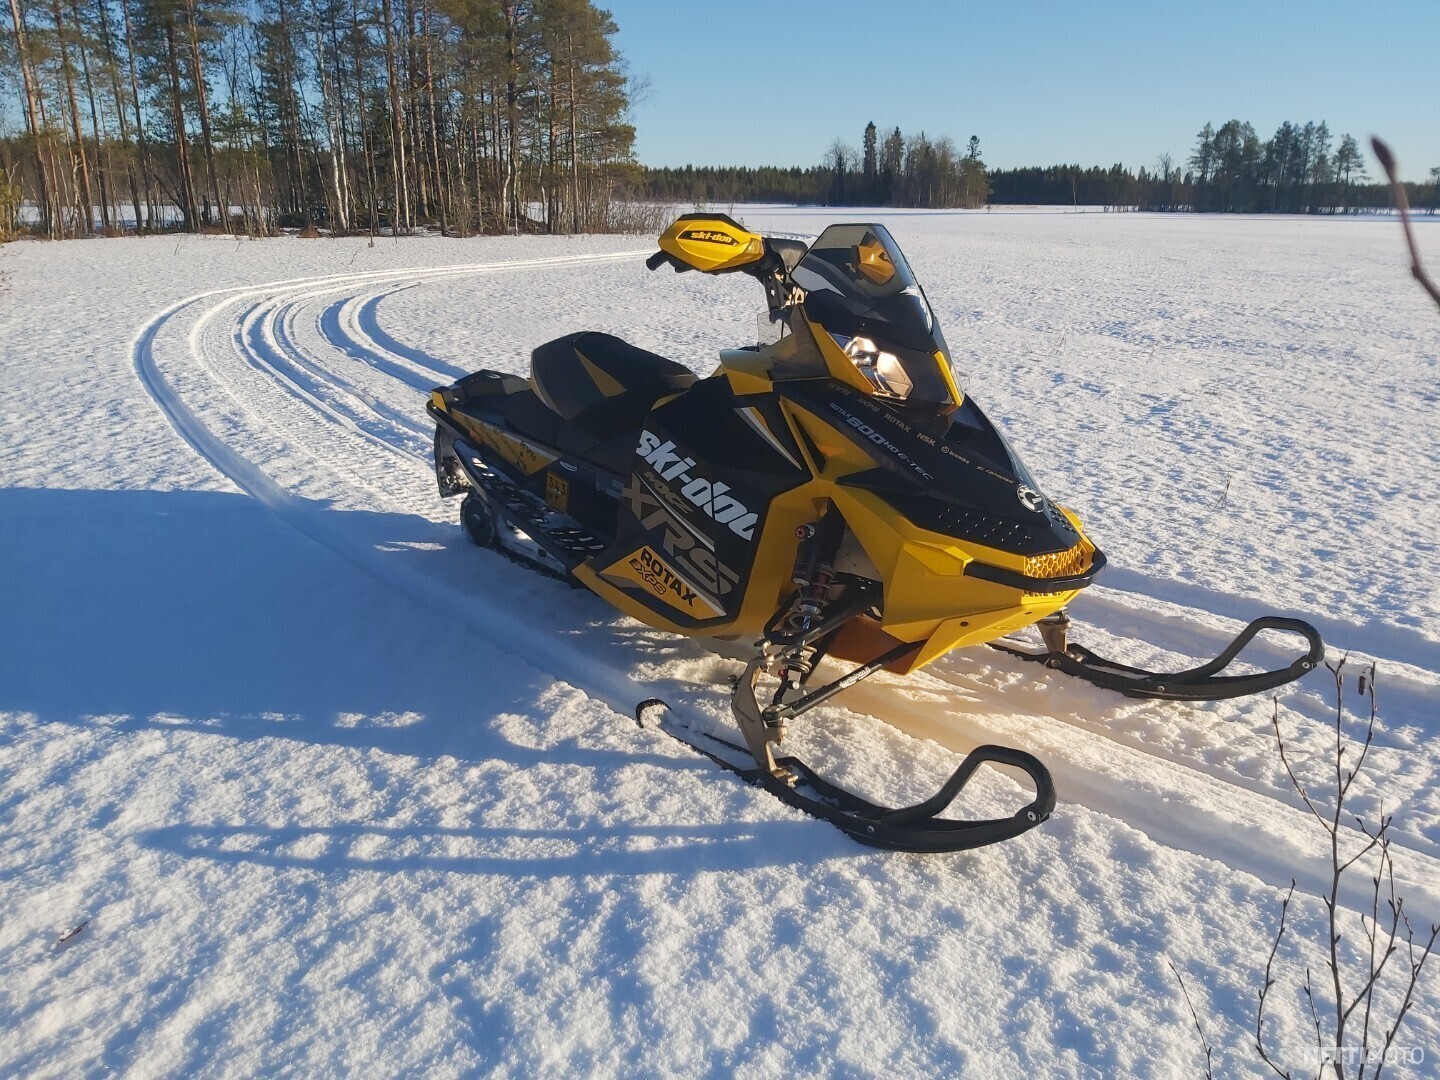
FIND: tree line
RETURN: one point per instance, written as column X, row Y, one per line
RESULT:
column 352, row 115
column 896, row 170
column 1301, row 169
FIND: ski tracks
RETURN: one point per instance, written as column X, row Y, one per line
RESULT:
column 256, row 418
column 312, row 388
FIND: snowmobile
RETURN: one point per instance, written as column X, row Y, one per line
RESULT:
column 830, row 494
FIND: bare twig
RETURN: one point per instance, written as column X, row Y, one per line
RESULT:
column 1382, row 943
column 1314, row 1015
column 1285, row 760
column 1332, row 898
column 1366, row 994
column 1417, row 269
column 1269, row 982
column 1204, row 1042
column 1416, row 966
column 1371, row 934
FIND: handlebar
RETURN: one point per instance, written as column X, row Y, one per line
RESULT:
column 772, row 270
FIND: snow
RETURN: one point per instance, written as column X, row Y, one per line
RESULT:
column 338, row 793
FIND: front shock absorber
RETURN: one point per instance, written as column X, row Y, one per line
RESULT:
column 812, row 575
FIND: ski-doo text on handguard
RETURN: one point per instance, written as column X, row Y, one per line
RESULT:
column 832, row 495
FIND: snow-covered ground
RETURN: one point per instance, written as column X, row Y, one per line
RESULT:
column 332, row 791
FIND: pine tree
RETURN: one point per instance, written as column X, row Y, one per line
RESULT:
column 1349, row 168
column 1203, row 159
column 36, row 136
column 871, row 164
column 975, row 188
column 892, row 153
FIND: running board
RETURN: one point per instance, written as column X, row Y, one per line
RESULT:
column 544, row 535
column 1203, row 683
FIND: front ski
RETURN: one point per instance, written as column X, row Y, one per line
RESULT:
column 917, row 828
column 1203, row 683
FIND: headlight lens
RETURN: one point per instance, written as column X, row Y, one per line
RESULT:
column 880, row 367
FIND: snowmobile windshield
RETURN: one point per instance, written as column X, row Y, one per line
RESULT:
column 860, row 289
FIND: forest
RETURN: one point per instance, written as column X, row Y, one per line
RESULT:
column 470, row 116
column 347, row 115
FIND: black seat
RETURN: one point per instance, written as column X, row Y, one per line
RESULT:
column 526, row 415
column 601, row 386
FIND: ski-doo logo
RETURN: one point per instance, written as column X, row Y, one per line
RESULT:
column 708, row 496
column 710, row 236
column 1030, row 498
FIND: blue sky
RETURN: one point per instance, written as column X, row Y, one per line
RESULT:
column 748, row 82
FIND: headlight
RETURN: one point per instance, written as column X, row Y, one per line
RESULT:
column 881, row 368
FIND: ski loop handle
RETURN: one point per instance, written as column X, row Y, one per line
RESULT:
column 1037, row 811
column 918, row 828
column 1202, row 683
column 1269, row 622
column 911, row 828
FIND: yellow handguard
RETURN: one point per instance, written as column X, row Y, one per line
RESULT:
column 712, row 243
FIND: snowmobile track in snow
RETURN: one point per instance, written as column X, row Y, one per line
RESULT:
column 356, row 432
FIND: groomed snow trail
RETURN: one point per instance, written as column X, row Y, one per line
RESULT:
column 362, row 393
column 261, row 341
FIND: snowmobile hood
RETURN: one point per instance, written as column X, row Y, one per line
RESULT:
column 954, row 474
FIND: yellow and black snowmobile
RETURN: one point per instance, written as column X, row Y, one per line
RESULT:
column 831, row 494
